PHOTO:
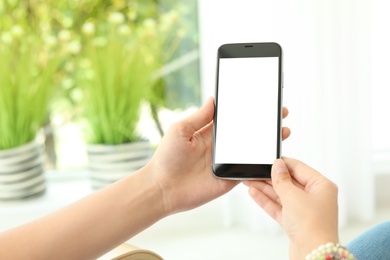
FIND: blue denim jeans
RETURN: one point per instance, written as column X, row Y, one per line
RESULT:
column 372, row 244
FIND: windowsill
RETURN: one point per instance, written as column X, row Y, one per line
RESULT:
column 59, row 183
column 216, row 228
column 65, row 187
column 56, row 196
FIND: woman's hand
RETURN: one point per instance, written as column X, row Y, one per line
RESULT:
column 178, row 178
column 182, row 163
column 302, row 201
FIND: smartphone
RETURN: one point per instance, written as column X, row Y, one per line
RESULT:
column 248, row 110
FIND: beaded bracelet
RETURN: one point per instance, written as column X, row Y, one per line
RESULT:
column 330, row 251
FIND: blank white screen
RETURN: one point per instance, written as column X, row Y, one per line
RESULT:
column 247, row 111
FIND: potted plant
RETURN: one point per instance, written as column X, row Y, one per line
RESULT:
column 28, row 65
column 115, row 74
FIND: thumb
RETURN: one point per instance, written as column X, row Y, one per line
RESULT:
column 202, row 117
column 281, row 178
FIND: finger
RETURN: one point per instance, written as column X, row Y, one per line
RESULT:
column 301, row 172
column 281, row 179
column 253, row 183
column 265, row 187
column 202, row 117
column 205, row 134
column 285, row 112
column 272, row 208
column 286, row 132
column 208, row 128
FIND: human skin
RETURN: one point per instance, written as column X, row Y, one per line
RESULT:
column 178, row 178
column 302, row 201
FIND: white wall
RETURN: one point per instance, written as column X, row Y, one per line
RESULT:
column 328, row 61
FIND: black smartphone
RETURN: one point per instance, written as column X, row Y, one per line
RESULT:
column 247, row 134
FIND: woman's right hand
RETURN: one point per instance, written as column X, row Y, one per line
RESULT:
column 302, row 201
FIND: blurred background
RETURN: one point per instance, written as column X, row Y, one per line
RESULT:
column 335, row 68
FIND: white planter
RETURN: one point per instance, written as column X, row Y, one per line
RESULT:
column 110, row 163
column 22, row 171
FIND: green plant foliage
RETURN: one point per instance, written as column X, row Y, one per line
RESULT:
column 116, row 72
column 28, row 66
column 98, row 57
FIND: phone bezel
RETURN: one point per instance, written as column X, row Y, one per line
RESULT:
column 242, row 50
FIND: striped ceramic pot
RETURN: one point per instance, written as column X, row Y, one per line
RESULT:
column 110, row 163
column 22, row 171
